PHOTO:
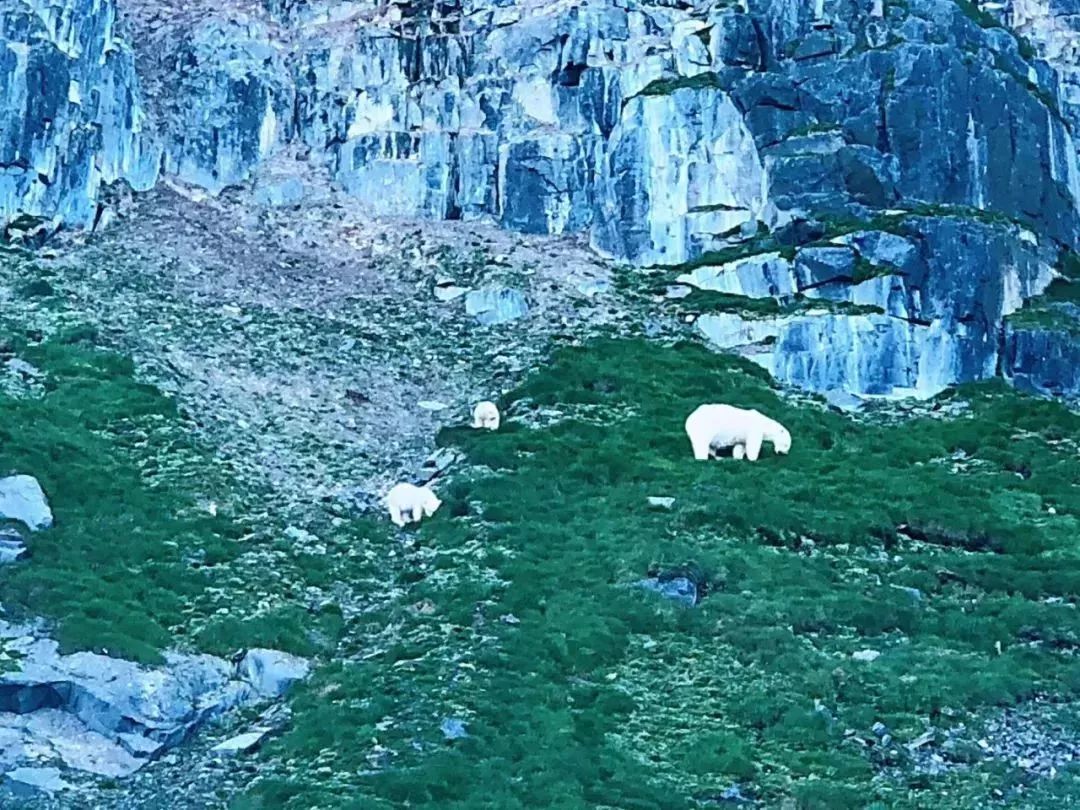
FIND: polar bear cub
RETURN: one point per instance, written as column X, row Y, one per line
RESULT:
column 409, row 503
column 485, row 415
column 713, row 427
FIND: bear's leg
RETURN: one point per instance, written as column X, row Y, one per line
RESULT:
column 738, row 451
column 701, row 448
column 396, row 517
column 753, row 446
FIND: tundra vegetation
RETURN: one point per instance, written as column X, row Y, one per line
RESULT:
column 941, row 537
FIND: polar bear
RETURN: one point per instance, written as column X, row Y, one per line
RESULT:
column 486, row 415
column 408, row 503
column 712, row 427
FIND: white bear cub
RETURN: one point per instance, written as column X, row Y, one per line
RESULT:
column 409, row 503
column 485, row 415
column 717, row 427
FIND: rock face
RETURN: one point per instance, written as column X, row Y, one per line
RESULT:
column 107, row 716
column 940, row 288
column 1045, row 358
column 666, row 131
column 71, row 119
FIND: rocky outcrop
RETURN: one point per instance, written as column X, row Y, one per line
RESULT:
column 107, row 716
column 668, row 132
column 1042, row 354
column 942, row 288
column 71, row 120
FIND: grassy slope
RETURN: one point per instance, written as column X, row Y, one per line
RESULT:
column 604, row 696
column 115, row 571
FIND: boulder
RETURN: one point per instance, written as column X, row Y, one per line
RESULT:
column 495, row 305
column 30, row 782
column 22, row 499
column 108, row 716
column 270, row 672
column 12, row 546
column 241, row 743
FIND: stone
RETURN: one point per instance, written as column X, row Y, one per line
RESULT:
column 270, row 672
column 436, row 464
column 12, row 547
column 815, row 266
column 677, row 291
column 22, row 499
column 21, row 367
column 453, row 728
column 107, row 716
column 844, row 401
column 496, row 305
column 677, row 589
column 29, row 782
column 431, row 405
column 287, row 192
column 448, row 292
column 914, row 593
column 241, row 743
column 590, row 288
column 762, row 276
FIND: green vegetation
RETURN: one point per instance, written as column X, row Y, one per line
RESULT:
column 665, row 87
column 1056, row 309
column 928, row 539
column 703, row 301
column 984, row 19
column 120, row 568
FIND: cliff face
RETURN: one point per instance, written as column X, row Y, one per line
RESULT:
column 670, row 132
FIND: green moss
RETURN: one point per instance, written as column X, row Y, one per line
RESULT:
column 578, row 691
column 665, row 87
column 983, row 19
column 118, row 570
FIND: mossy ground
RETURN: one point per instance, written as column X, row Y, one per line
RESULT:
column 579, row 691
column 928, row 539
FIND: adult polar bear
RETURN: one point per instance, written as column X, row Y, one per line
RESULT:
column 721, row 426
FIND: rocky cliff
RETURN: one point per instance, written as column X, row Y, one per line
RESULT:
column 676, row 134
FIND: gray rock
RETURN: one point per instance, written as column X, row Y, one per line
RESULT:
column 844, row 401
column 677, row 589
column 815, row 266
column 762, row 276
column 22, row 499
column 287, row 192
column 12, row 546
column 915, row 594
column 29, row 782
column 270, row 672
column 1046, row 358
column 453, row 728
column 21, row 367
column 108, row 716
column 496, row 305
column 241, row 743
column 448, row 292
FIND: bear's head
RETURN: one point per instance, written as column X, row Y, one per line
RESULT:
column 782, row 440
column 431, row 502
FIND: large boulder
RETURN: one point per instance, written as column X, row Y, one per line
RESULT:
column 109, row 716
column 22, row 499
